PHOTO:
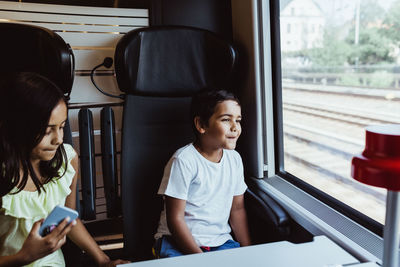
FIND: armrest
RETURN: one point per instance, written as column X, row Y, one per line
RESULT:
column 268, row 222
column 267, row 209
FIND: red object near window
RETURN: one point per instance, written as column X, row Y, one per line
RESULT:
column 379, row 163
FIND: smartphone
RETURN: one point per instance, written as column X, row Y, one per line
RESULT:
column 56, row 216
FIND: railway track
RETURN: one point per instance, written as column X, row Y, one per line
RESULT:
column 322, row 132
column 330, row 159
column 360, row 117
column 360, row 92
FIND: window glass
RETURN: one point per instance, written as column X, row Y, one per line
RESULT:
column 339, row 75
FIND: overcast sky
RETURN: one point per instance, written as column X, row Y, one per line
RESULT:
column 344, row 10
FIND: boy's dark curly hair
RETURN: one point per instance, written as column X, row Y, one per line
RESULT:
column 204, row 103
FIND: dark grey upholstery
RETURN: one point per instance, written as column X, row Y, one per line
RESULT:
column 160, row 69
column 36, row 49
column 172, row 61
column 153, row 129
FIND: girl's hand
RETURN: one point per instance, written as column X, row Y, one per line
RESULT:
column 114, row 263
column 36, row 247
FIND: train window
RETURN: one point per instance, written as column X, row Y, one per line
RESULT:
column 335, row 81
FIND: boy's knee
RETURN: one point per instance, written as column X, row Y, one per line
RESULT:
column 229, row 244
column 233, row 244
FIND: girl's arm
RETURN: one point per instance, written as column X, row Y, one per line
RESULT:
column 176, row 224
column 36, row 247
column 238, row 221
column 79, row 235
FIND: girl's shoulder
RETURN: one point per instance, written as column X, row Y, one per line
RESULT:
column 67, row 168
column 70, row 151
column 32, row 205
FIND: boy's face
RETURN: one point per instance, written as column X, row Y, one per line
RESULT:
column 223, row 129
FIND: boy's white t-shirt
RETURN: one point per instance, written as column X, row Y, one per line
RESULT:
column 208, row 189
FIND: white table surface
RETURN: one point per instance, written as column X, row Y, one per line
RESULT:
column 321, row 252
column 365, row 264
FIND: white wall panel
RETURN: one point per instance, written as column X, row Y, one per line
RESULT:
column 60, row 18
column 86, row 59
column 85, row 28
column 83, row 91
column 96, row 39
column 62, row 9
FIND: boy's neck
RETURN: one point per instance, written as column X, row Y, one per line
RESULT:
column 211, row 154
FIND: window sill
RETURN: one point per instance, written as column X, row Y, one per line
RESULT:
column 320, row 219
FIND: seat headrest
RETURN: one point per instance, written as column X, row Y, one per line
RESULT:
column 35, row 49
column 172, row 61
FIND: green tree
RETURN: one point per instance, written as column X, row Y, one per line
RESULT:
column 370, row 12
column 372, row 48
column 333, row 53
column 391, row 22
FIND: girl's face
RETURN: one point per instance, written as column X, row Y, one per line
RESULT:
column 224, row 127
column 53, row 137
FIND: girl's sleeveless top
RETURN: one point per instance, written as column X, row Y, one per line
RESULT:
column 21, row 210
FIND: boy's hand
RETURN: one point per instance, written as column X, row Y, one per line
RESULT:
column 238, row 221
column 178, row 227
column 36, row 247
column 113, row 263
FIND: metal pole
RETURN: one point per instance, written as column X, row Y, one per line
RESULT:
column 357, row 23
column 357, row 28
column 391, row 230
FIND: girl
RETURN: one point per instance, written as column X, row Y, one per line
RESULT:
column 37, row 172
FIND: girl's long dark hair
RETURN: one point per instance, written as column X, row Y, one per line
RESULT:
column 26, row 102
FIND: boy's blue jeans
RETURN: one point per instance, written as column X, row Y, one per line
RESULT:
column 165, row 247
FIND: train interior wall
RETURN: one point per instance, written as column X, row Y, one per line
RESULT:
column 215, row 16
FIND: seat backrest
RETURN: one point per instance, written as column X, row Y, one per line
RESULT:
column 28, row 48
column 159, row 69
column 36, row 49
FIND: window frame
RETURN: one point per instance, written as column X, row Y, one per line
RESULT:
column 332, row 202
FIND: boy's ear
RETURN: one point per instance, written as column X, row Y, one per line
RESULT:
column 199, row 125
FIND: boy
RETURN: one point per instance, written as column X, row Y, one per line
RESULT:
column 203, row 183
